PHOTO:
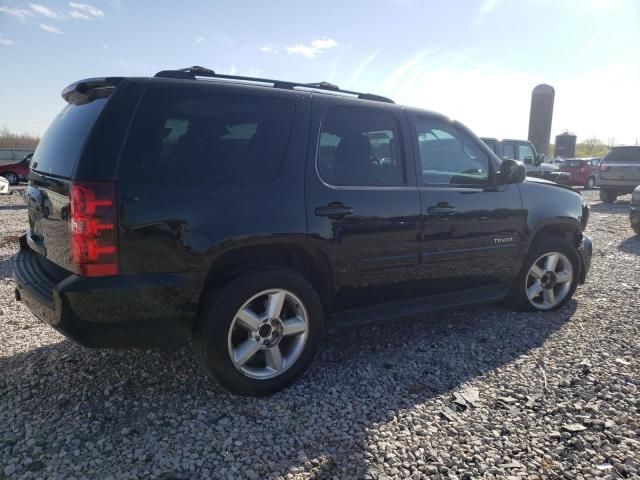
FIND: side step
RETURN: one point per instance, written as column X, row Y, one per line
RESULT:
column 418, row 306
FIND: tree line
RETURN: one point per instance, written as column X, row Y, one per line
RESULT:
column 10, row 139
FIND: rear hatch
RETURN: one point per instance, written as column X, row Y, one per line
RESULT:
column 622, row 163
column 71, row 221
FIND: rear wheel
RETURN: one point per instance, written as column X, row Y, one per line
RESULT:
column 11, row 177
column 260, row 332
column 590, row 183
column 548, row 278
column 607, row 196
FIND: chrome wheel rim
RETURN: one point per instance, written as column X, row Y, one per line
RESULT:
column 268, row 334
column 549, row 280
column 591, row 183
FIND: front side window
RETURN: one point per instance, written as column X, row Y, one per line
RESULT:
column 359, row 147
column 449, row 157
column 200, row 136
column 525, row 153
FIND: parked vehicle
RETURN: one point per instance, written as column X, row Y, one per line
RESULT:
column 582, row 171
column 619, row 172
column 12, row 155
column 253, row 214
column 634, row 211
column 15, row 172
column 4, row 186
column 524, row 151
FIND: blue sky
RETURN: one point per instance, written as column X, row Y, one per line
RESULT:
column 473, row 60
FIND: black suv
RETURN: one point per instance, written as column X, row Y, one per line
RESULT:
column 250, row 215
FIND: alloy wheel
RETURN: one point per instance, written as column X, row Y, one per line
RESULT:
column 268, row 334
column 549, row 280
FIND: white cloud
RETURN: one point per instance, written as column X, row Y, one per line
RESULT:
column 268, row 49
column 324, row 43
column 44, row 11
column 87, row 9
column 200, row 40
column 50, row 28
column 104, row 45
column 16, row 12
column 314, row 49
column 6, row 41
column 79, row 14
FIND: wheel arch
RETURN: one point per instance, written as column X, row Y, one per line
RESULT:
column 309, row 262
column 569, row 230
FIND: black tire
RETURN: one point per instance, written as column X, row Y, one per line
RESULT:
column 517, row 298
column 590, row 183
column 220, row 306
column 607, row 196
column 11, row 177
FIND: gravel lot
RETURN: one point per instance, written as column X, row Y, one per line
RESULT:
column 482, row 393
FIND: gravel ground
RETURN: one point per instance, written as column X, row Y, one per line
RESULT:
column 482, row 393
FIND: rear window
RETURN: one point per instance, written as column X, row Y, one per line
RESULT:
column 623, row 155
column 61, row 144
column 574, row 163
column 199, row 136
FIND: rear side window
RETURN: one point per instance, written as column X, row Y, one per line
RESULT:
column 360, row 147
column 623, row 155
column 198, row 136
column 508, row 151
column 61, row 144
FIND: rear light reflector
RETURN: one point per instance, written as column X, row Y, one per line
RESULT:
column 94, row 247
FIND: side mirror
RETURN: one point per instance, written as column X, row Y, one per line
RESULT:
column 539, row 159
column 511, row 171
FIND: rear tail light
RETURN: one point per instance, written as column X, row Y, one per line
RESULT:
column 604, row 168
column 94, row 246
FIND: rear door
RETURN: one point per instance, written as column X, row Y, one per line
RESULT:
column 53, row 165
column 472, row 230
column 82, row 142
column 363, row 207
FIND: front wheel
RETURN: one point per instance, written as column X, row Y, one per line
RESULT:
column 607, row 196
column 11, row 177
column 260, row 332
column 548, row 278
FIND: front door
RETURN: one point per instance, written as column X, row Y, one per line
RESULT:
column 363, row 207
column 472, row 230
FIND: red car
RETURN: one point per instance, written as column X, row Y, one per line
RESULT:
column 582, row 171
column 14, row 172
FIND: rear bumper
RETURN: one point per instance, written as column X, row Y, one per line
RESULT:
column 618, row 186
column 121, row 311
column 585, row 249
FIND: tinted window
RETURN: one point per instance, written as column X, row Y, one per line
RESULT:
column 450, row 157
column 508, row 151
column 207, row 137
column 360, row 147
column 525, row 153
column 61, row 144
column 623, row 155
column 492, row 144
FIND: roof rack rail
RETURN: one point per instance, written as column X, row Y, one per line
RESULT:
column 191, row 73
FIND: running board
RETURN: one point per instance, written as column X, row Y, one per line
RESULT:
column 418, row 306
